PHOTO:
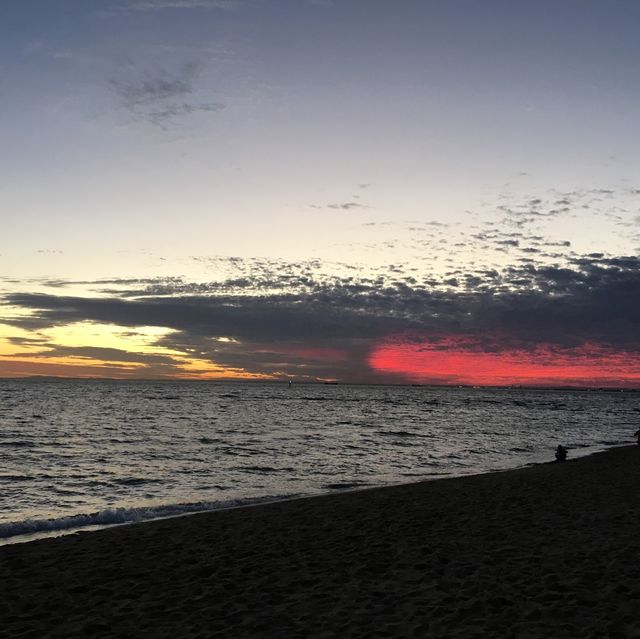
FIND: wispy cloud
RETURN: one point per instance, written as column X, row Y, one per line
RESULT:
column 159, row 5
column 347, row 206
column 162, row 96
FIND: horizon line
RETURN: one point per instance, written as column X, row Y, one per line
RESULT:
column 61, row 378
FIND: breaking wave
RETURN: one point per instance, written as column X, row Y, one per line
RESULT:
column 118, row 516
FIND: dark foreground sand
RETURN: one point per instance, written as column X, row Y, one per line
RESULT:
column 551, row 551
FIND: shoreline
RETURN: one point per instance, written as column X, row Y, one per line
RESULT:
column 549, row 550
column 186, row 510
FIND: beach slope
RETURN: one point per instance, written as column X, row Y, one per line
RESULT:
column 547, row 551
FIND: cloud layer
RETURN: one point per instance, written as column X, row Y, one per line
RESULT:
column 290, row 323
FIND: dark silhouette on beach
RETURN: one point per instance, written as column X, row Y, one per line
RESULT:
column 561, row 453
column 637, row 436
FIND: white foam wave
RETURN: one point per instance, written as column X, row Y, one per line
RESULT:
column 117, row 516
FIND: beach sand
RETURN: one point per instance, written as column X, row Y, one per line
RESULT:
column 548, row 551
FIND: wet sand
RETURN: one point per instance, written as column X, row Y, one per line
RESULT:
column 549, row 551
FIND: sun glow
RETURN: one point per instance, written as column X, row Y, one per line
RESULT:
column 141, row 339
column 88, row 349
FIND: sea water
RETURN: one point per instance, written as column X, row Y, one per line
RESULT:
column 77, row 454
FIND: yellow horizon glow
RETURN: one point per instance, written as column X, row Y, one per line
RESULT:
column 80, row 367
column 20, row 360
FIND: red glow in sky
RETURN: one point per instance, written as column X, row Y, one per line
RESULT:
column 461, row 360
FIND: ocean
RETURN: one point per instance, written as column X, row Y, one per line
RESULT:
column 88, row 454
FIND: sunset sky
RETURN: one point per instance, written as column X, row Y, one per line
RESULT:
column 357, row 190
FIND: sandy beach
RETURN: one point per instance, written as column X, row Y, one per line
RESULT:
column 548, row 551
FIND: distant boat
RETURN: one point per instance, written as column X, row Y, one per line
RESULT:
column 331, row 383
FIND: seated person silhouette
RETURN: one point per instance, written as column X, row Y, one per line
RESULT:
column 561, row 453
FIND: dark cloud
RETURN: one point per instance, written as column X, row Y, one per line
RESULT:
column 27, row 341
column 103, row 354
column 342, row 312
column 305, row 359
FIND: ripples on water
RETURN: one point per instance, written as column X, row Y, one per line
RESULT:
column 79, row 453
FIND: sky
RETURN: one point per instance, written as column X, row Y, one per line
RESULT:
column 367, row 191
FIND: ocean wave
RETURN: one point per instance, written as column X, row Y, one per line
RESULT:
column 118, row 516
column 263, row 469
column 345, row 485
column 18, row 443
column 137, row 481
column 16, row 477
column 431, row 474
column 398, row 433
